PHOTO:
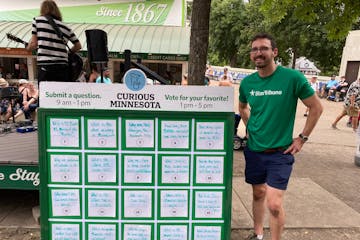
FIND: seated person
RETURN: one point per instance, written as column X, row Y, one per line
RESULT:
column 330, row 87
column 342, row 89
column 7, row 106
column 342, row 84
column 18, row 105
column 31, row 103
column 4, row 103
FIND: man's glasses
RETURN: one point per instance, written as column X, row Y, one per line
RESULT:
column 261, row 49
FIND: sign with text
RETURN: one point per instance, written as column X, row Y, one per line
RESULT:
column 57, row 95
column 19, row 177
column 124, row 12
column 130, row 173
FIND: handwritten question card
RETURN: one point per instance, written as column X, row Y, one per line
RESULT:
column 175, row 169
column 101, row 133
column 175, row 134
column 139, row 133
column 138, row 169
column 64, row 168
column 101, row 168
column 102, row 203
column 137, row 203
column 65, row 231
column 210, row 169
column 64, row 132
column 208, row 204
column 65, row 202
column 210, row 135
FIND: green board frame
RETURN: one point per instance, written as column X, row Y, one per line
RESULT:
column 221, row 222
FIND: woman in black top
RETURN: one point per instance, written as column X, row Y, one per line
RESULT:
column 52, row 56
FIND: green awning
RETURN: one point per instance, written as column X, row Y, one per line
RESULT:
column 142, row 40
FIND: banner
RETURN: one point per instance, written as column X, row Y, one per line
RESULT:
column 136, row 96
column 125, row 12
column 19, row 177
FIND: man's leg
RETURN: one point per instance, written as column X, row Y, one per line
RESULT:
column 340, row 116
column 259, row 194
column 274, row 199
column 355, row 121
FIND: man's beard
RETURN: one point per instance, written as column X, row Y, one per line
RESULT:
column 263, row 64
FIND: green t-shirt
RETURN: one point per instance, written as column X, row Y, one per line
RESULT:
column 273, row 102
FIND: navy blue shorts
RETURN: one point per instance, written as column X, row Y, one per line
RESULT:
column 274, row 168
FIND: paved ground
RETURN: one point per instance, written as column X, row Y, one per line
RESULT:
column 322, row 202
column 323, row 199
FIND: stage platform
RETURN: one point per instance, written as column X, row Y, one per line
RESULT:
column 19, row 148
column 19, row 160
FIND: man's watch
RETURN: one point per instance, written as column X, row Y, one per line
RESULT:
column 303, row 138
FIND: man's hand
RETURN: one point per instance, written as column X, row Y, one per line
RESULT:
column 295, row 147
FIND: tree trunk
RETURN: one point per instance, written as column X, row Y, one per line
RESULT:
column 294, row 58
column 233, row 60
column 199, row 41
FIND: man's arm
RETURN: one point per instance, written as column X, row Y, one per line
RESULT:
column 315, row 110
column 244, row 111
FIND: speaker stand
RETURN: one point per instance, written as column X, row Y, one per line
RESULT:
column 102, row 67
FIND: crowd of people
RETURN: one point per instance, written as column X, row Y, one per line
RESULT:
column 340, row 91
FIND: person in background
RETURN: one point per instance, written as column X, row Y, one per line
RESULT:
column 342, row 84
column 184, row 80
column 30, row 104
column 314, row 85
column 23, row 71
column 169, row 76
column 351, row 105
column 4, row 103
column 52, row 56
column 270, row 150
column 2, row 73
column 209, row 71
column 341, row 89
column 18, row 106
column 330, row 87
column 106, row 77
column 94, row 73
column 226, row 79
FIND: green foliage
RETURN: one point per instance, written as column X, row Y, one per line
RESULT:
column 226, row 24
column 344, row 13
column 300, row 28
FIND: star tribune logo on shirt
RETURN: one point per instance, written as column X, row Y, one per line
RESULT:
column 265, row 93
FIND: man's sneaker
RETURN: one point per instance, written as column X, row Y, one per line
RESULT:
column 252, row 236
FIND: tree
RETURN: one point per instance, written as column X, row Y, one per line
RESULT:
column 295, row 37
column 227, row 21
column 199, row 41
column 304, row 37
column 344, row 13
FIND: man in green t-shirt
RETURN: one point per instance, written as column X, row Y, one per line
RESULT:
column 267, row 105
